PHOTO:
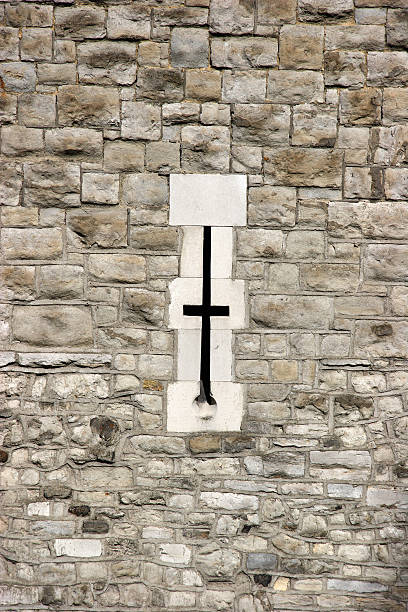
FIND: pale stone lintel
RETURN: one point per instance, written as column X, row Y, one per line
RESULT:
column 208, row 199
column 182, row 412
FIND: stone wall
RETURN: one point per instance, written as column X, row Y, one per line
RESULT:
column 101, row 507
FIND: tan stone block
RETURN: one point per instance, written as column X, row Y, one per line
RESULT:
column 399, row 301
column 259, row 243
column 19, row 217
column 269, row 205
column 123, row 156
column 320, row 10
column 284, row 370
column 8, row 43
column 100, row 228
column 36, row 110
column 286, row 312
column 60, row 282
column 52, row 325
column 160, row 84
column 74, row 143
column 117, row 268
column 10, row 184
column 375, row 339
column 143, row 307
column 305, row 244
column 330, row 277
column 301, row 47
column 360, row 106
column 395, row 105
column 18, row 140
column 277, row 12
column 295, row 86
column 386, row 262
column 88, row 106
column 261, row 124
column 29, row 14
column 387, row 69
column 154, row 239
column 36, row 44
column 344, row 68
column 56, row 74
column 81, row 22
column 244, row 52
column 370, row 37
column 17, row 282
column 314, row 125
column 304, row 167
column 357, row 182
column 244, row 86
column 396, row 183
column 8, row 108
column 51, row 184
column 232, row 17
column 32, row 243
column 203, row 85
column 107, row 63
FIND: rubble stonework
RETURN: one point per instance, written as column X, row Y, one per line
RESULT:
column 101, row 507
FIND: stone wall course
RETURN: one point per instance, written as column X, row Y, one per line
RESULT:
column 305, row 507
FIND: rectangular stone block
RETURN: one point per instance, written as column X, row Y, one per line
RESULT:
column 88, row 106
column 360, row 106
column 29, row 14
column 100, row 188
column 129, row 22
column 18, row 76
column 98, row 228
column 77, row 23
column 205, row 148
column 244, row 52
column 17, row 282
column 78, row 548
column 32, row 243
column 140, row 121
column 76, row 143
column 304, row 167
column 160, row 84
column 331, row 277
column 36, row 110
column 376, row 339
column 107, row 63
column 261, row 124
column 386, row 262
column 18, row 140
column 51, row 184
column 52, row 325
column 244, row 86
column 117, row 268
column 395, row 105
column 301, row 47
column 232, row 17
column 285, row 312
column 387, row 69
column 317, row 10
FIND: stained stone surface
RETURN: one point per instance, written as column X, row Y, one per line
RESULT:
column 106, row 503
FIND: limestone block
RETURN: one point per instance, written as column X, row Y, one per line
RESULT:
column 64, row 51
column 314, row 125
column 18, row 140
column 261, row 124
column 125, row 156
column 232, row 17
column 246, row 159
column 344, row 68
column 107, row 63
column 203, row 84
column 260, row 243
column 370, row 16
column 163, row 156
column 303, row 167
column 56, row 74
column 154, row 239
column 8, row 108
column 244, row 86
column 78, row 548
column 49, row 184
column 295, row 86
column 290, row 545
column 140, row 121
column 36, row 44
column 397, row 27
column 29, row 14
column 160, row 84
column 117, row 268
column 129, row 22
column 60, row 282
column 277, row 13
column 189, row 47
column 175, row 553
column 74, row 142
column 147, row 189
column 205, row 148
column 101, row 228
column 361, row 106
column 387, row 69
column 355, row 37
column 396, row 183
column 301, row 47
column 37, row 110
column 100, row 188
column 317, row 10
column 17, row 282
column 8, row 44
column 52, row 325
column 10, row 184
column 79, row 23
column 395, row 105
column 374, row 339
column 143, row 307
column 18, row 76
column 88, row 106
column 244, row 52
column 282, row 312
column 27, row 243
column 180, row 112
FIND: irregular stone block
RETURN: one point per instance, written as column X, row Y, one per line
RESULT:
column 17, row 282
column 79, row 23
column 51, row 184
column 29, row 14
column 369, row 38
column 373, row 340
column 163, row 157
column 261, row 561
column 303, row 167
column 395, row 107
column 182, row 15
column 301, row 47
column 386, row 262
column 368, row 219
column 387, row 69
column 101, row 228
column 154, row 239
column 283, row 312
column 295, row 86
column 18, row 76
column 205, row 148
column 175, row 553
column 397, row 27
column 18, row 140
column 36, row 44
column 260, row 243
column 277, row 12
column 56, row 74
column 314, row 125
column 203, row 85
column 160, row 84
column 396, row 183
column 284, row 465
column 74, row 142
column 107, row 63
column 78, row 548
column 319, row 10
column 88, row 106
column 146, row 189
column 8, row 108
column 244, row 52
column 37, row 110
column 143, row 307
column 61, row 282
column 129, row 22
column 232, row 17
column 52, row 325
column 331, row 277
column 8, row 43
column 27, row 243
column 100, row 188
column 117, row 268
column 261, row 124
column 123, row 156
column 270, row 205
column 360, row 106
column 64, row 386
column 189, row 47
column 10, row 184
column 344, row 68
column 141, row 121
column 244, row 86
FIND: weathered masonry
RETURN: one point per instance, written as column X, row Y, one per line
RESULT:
column 238, row 162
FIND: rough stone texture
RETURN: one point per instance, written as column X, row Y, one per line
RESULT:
column 102, row 508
